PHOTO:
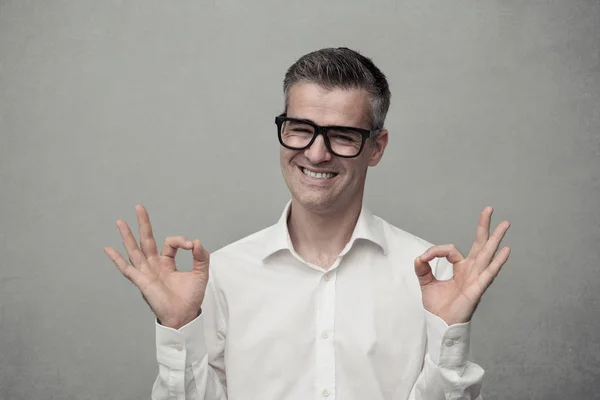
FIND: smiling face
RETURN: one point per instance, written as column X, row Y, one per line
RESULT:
column 318, row 180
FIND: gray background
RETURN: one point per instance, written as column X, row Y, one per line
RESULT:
column 105, row 104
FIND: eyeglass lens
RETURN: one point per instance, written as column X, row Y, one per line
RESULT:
column 343, row 141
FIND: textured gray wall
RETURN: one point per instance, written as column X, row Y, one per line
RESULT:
column 171, row 104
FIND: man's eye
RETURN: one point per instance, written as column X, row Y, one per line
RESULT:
column 300, row 130
column 343, row 138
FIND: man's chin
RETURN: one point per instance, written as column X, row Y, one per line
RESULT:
column 315, row 203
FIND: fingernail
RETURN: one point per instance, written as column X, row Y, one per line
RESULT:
column 189, row 243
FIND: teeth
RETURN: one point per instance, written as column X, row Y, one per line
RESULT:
column 317, row 175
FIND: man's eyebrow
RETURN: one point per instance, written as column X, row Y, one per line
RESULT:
column 302, row 120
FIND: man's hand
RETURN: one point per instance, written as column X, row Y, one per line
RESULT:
column 175, row 297
column 455, row 300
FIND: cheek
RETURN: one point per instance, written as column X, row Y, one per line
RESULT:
column 286, row 157
column 354, row 167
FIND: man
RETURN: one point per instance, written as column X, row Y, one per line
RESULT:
column 331, row 302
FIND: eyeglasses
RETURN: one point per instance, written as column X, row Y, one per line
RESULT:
column 342, row 141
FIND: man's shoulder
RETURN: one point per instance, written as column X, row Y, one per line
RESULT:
column 405, row 244
column 399, row 236
column 248, row 248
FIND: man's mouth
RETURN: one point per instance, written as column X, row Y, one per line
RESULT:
column 318, row 175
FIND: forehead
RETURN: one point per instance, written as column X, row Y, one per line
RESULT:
column 349, row 107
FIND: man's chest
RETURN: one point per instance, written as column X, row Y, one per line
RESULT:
column 357, row 314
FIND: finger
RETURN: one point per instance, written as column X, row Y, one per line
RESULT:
column 449, row 251
column 489, row 249
column 126, row 269
column 201, row 256
column 136, row 256
column 146, row 236
column 423, row 271
column 173, row 243
column 490, row 273
column 482, row 233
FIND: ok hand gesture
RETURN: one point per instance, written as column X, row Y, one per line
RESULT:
column 455, row 300
column 174, row 296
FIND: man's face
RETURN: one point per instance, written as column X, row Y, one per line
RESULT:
column 344, row 178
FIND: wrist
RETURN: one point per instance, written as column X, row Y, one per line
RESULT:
column 178, row 323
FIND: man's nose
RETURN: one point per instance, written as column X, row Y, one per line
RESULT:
column 317, row 152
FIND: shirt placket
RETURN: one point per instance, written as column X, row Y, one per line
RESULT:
column 325, row 336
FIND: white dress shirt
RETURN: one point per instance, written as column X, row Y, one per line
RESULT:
column 275, row 327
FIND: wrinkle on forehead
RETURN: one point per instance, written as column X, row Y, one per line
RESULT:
column 347, row 107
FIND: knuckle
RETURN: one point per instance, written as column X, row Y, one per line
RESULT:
column 126, row 273
column 175, row 239
column 146, row 236
column 138, row 253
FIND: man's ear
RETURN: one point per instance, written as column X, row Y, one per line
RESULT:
column 377, row 145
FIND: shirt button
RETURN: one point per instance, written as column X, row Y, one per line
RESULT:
column 325, row 335
column 325, row 392
column 450, row 342
column 178, row 347
column 326, row 278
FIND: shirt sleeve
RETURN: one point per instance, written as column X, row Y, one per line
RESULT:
column 447, row 372
column 191, row 359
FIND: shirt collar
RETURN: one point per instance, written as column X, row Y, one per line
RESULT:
column 278, row 237
column 368, row 227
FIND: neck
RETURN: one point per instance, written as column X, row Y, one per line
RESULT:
column 319, row 237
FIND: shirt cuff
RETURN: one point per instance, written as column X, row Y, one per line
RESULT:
column 176, row 348
column 447, row 346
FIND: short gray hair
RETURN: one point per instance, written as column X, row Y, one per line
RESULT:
column 342, row 68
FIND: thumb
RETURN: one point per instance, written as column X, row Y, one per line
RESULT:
column 423, row 271
column 201, row 256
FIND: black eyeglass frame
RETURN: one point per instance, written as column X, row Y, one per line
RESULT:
column 322, row 130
